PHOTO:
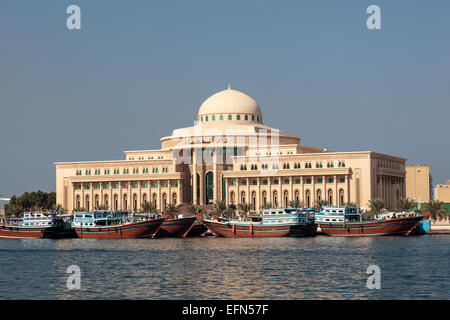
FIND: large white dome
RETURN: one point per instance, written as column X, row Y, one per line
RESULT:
column 230, row 102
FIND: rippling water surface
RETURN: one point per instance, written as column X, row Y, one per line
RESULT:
column 226, row 268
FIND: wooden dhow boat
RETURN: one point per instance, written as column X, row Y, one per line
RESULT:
column 346, row 221
column 176, row 227
column 271, row 223
column 34, row 224
column 114, row 225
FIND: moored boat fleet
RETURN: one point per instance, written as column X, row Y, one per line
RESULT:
column 300, row 222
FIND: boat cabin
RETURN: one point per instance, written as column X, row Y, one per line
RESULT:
column 338, row 214
column 39, row 218
column 100, row 218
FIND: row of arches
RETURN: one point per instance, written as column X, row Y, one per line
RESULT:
column 275, row 199
column 126, row 204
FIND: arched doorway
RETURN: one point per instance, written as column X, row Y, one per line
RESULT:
column 319, row 195
column 88, row 207
column 275, row 199
column 134, row 202
column 243, row 197
column 297, row 195
column 254, row 200
column 308, row 198
column 164, row 198
column 330, row 197
column 286, row 199
column 105, row 202
column 125, row 202
column 154, row 199
column 78, row 202
column 144, row 198
column 232, row 197
column 341, row 197
column 116, row 202
column 209, row 187
column 174, row 198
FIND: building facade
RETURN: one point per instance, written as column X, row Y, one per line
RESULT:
column 230, row 155
column 442, row 192
column 418, row 182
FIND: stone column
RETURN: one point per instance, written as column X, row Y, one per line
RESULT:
column 129, row 195
column 215, row 178
column 159, row 195
column 335, row 193
column 347, row 192
column 194, row 177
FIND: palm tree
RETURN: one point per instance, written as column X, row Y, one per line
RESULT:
column 219, row 207
column 436, row 209
column 319, row 204
column 79, row 209
column 376, row 205
column 171, row 209
column 148, row 207
column 244, row 208
column 268, row 205
column 405, row 204
column 59, row 208
column 101, row 207
column 194, row 209
column 296, row 204
column 229, row 211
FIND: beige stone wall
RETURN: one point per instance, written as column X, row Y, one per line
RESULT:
column 442, row 193
column 418, row 182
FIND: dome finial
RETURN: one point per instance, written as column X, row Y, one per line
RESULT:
column 229, row 87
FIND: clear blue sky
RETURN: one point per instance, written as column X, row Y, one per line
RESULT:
column 138, row 69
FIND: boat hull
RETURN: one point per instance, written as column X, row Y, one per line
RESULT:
column 198, row 230
column 238, row 230
column 176, row 227
column 398, row 226
column 122, row 231
column 21, row 232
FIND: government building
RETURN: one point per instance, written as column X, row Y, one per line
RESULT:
column 230, row 154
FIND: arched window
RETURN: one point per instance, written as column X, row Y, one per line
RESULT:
column 221, row 117
column 174, row 198
column 213, row 117
column 308, row 199
column 238, row 117
column 253, row 117
column 254, row 182
column 229, row 117
column 246, row 117
column 206, row 118
column 265, row 182
column 286, row 200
